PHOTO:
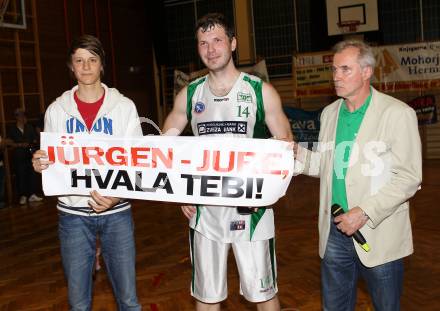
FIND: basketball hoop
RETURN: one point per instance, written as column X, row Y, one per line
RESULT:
column 13, row 14
column 349, row 26
column 3, row 7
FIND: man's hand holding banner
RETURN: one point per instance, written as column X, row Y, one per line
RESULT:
column 195, row 170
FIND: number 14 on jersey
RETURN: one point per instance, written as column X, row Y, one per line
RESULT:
column 242, row 112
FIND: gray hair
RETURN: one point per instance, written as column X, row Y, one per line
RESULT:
column 365, row 57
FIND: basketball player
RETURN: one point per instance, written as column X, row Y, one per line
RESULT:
column 234, row 104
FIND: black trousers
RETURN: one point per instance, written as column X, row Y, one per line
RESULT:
column 24, row 175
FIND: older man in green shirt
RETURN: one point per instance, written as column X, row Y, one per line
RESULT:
column 369, row 163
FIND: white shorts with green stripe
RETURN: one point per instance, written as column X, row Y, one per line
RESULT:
column 256, row 264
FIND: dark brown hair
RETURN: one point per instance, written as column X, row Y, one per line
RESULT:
column 89, row 43
column 211, row 20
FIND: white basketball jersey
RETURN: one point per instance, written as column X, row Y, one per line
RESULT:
column 239, row 114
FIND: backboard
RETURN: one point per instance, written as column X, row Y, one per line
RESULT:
column 362, row 12
column 13, row 14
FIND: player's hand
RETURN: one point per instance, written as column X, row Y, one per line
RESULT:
column 292, row 144
column 40, row 161
column 294, row 147
column 351, row 221
column 188, row 210
column 101, row 203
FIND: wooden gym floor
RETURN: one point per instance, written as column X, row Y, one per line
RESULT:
column 31, row 276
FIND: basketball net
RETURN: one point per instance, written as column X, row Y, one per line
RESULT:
column 349, row 26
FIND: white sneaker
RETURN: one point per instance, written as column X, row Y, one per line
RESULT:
column 22, row 200
column 35, row 198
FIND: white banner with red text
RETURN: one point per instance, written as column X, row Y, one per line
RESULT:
column 196, row 170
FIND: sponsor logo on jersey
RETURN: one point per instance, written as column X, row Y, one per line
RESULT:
column 102, row 125
column 222, row 127
column 199, row 107
column 223, row 99
column 237, row 225
column 244, row 97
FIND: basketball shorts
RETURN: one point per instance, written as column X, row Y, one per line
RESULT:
column 256, row 263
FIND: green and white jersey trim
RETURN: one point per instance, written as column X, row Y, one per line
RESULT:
column 240, row 113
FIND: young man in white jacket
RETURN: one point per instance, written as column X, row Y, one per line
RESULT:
column 91, row 107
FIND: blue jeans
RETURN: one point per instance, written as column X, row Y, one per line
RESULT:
column 340, row 269
column 77, row 236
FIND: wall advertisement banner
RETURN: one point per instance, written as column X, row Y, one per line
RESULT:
column 426, row 109
column 405, row 67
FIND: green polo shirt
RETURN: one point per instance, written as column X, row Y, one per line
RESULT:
column 346, row 131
